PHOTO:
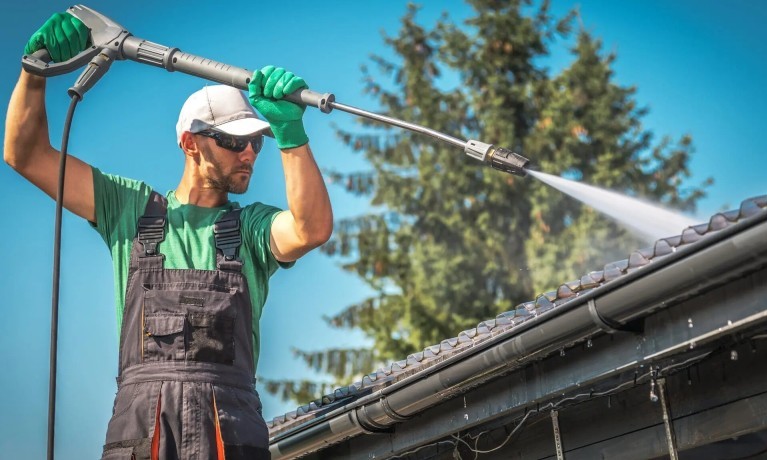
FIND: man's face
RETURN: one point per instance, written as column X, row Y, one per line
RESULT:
column 224, row 169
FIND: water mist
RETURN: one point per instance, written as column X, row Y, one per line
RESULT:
column 645, row 220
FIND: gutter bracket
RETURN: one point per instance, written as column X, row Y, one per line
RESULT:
column 610, row 326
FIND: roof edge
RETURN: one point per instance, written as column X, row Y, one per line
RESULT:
column 733, row 251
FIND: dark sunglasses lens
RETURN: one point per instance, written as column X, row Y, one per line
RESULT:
column 235, row 143
column 232, row 143
column 257, row 142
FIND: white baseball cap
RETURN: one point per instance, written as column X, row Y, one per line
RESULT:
column 221, row 107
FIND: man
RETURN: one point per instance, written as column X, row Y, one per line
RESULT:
column 191, row 267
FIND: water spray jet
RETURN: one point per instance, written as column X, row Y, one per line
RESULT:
column 645, row 220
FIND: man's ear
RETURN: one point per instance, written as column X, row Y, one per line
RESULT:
column 189, row 145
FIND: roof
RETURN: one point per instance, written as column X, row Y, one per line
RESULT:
column 506, row 323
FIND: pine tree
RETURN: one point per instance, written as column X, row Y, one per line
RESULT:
column 459, row 243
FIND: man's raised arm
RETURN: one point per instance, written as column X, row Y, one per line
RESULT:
column 27, row 147
column 308, row 223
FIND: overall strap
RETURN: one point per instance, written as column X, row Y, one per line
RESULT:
column 226, row 233
column 151, row 231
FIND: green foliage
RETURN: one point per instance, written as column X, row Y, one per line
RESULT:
column 460, row 243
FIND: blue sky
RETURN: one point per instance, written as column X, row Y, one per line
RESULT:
column 698, row 64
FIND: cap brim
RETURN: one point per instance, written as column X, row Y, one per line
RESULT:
column 244, row 127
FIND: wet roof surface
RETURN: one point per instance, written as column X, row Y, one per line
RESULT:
column 506, row 321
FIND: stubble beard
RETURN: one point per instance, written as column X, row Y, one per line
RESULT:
column 219, row 180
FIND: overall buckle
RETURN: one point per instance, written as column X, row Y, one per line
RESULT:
column 151, row 232
column 227, row 235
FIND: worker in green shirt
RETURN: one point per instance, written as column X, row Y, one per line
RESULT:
column 191, row 267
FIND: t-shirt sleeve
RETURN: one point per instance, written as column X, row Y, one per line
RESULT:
column 257, row 222
column 119, row 203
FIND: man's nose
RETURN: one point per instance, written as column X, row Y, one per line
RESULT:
column 248, row 155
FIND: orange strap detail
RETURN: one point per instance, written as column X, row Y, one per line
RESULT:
column 155, row 454
column 219, row 439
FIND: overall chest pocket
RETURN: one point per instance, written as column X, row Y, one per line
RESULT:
column 189, row 325
column 164, row 337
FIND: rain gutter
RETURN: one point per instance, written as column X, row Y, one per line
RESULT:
column 714, row 260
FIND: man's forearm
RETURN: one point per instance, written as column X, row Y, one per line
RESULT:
column 307, row 196
column 28, row 149
column 26, row 123
column 310, row 220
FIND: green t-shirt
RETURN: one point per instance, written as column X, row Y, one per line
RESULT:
column 188, row 240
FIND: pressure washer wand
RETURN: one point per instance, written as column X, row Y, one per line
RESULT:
column 110, row 38
column 173, row 59
column 497, row 157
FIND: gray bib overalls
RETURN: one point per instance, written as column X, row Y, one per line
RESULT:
column 186, row 382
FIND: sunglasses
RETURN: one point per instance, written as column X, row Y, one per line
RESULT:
column 234, row 143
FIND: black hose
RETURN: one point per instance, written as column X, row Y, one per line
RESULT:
column 56, row 273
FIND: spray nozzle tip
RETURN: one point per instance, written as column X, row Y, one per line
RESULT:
column 508, row 161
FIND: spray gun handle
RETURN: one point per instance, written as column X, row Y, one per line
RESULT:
column 39, row 62
column 104, row 34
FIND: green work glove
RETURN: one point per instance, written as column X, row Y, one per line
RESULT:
column 266, row 90
column 63, row 35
